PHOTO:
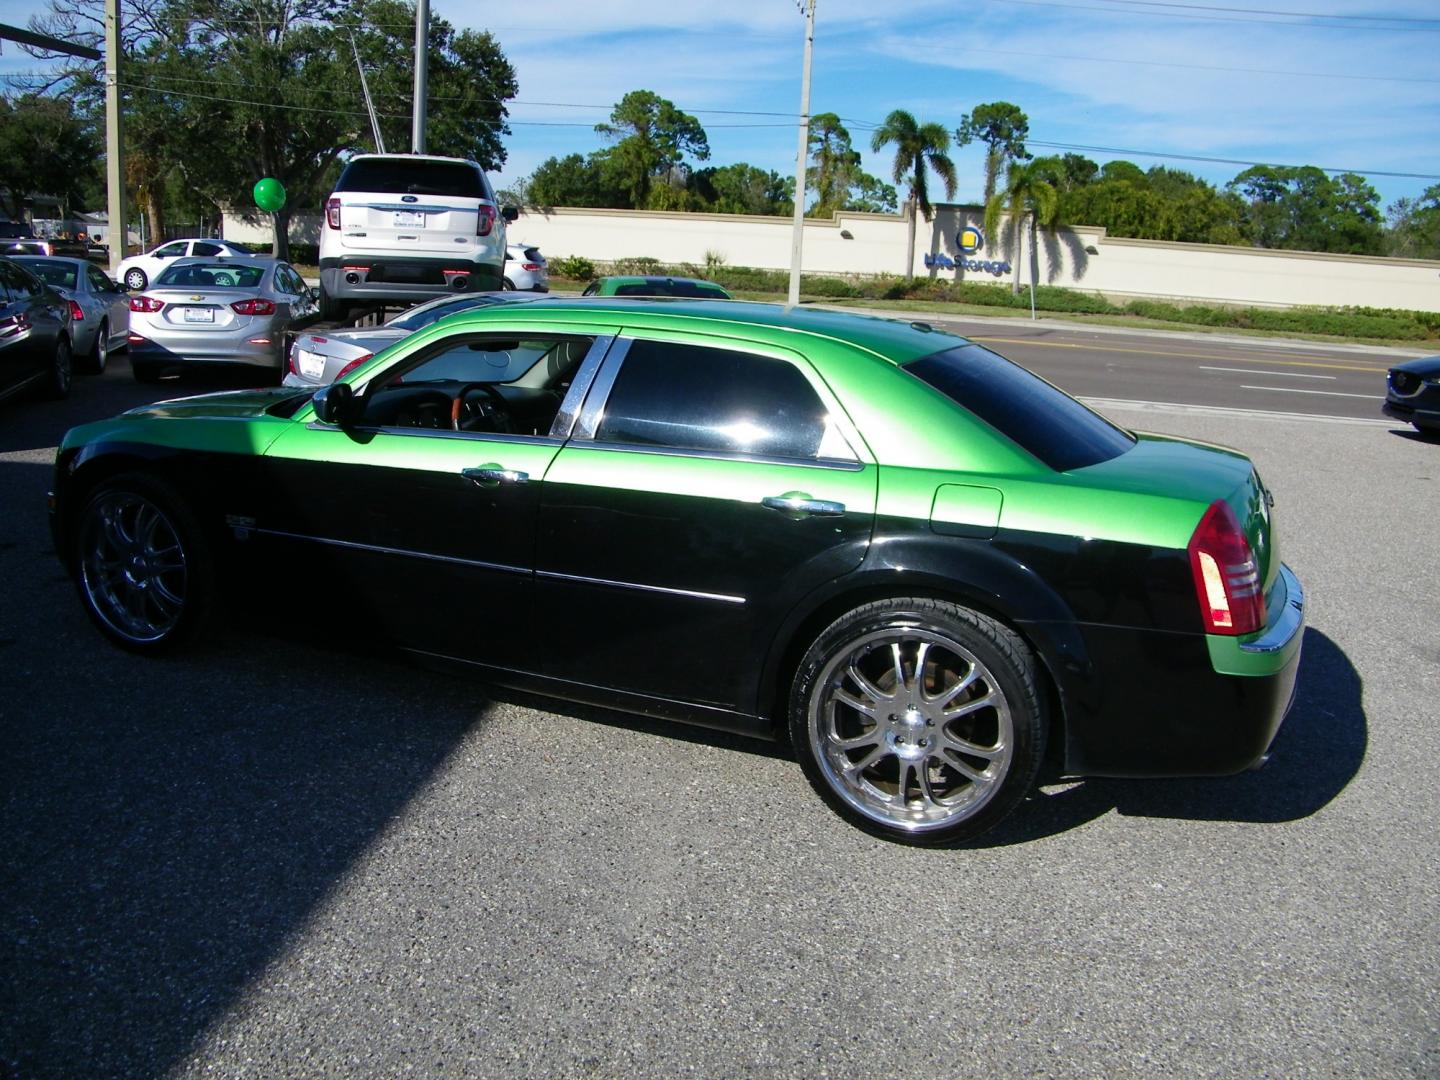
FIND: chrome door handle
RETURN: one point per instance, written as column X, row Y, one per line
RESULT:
column 802, row 505
column 491, row 475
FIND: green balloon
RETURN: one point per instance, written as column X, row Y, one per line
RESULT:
column 269, row 194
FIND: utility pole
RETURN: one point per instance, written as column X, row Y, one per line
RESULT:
column 422, row 64
column 117, row 227
column 802, row 156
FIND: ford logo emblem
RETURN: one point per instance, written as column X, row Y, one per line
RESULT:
column 408, row 198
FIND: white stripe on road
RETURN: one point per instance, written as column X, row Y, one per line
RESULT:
column 1323, row 393
column 1278, row 374
column 1116, row 404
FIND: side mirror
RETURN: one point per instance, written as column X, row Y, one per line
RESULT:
column 510, row 213
column 336, row 404
column 314, row 293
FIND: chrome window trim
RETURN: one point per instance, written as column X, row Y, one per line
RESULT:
column 436, row 433
column 570, row 408
column 381, row 550
column 835, row 464
column 593, row 411
column 693, row 594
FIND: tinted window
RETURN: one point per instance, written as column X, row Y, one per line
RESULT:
column 480, row 362
column 205, row 249
column 1047, row 422
column 171, row 249
column 20, row 282
column 696, row 398
column 11, row 229
column 54, row 272
column 429, row 313
column 415, row 177
column 98, row 281
column 222, row 275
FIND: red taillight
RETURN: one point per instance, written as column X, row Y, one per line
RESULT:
column 353, row 364
column 77, row 313
column 484, row 219
column 146, row 304
column 332, row 213
column 531, row 266
column 1227, row 578
column 253, row 307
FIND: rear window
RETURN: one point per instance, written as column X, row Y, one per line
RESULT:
column 452, row 178
column 1047, row 422
column 211, row 275
column 61, row 274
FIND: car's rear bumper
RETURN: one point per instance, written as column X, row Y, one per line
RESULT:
column 401, row 277
column 1172, row 704
column 210, row 348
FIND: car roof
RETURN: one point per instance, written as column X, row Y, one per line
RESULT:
column 410, row 157
column 655, row 279
column 54, row 258
column 892, row 339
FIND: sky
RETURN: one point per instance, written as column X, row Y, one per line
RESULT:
column 1294, row 82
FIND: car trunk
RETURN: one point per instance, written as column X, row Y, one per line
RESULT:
column 379, row 222
column 201, row 309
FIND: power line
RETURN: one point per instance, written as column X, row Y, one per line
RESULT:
column 1264, row 20
column 1224, row 161
column 1286, row 14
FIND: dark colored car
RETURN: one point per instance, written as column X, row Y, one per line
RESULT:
column 914, row 559
column 691, row 288
column 35, row 343
column 1412, row 394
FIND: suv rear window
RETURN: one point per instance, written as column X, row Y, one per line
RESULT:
column 413, row 177
column 1047, row 422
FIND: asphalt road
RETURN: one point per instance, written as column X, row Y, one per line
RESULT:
column 272, row 857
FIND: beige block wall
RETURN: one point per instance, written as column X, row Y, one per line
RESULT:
column 1081, row 257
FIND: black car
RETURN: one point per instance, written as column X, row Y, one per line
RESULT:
column 1412, row 394
column 35, row 336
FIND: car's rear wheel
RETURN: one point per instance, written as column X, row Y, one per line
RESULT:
column 135, row 279
column 919, row 720
column 57, row 378
column 145, row 572
column 507, row 285
column 100, row 351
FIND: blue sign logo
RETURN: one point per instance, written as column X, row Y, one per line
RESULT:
column 970, row 240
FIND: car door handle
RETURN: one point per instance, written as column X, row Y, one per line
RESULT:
column 800, row 504
column 491, row 475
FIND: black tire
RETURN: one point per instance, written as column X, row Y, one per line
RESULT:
column 917, row 769
column 135, row 279
column 144, row 569
column 332, row 310
column 99, row 356
column 62, row 368
column 507, row 285
column 146, row 371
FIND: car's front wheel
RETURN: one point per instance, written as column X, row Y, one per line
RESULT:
column 919, row 720
column 135, row 279
column 145, row 571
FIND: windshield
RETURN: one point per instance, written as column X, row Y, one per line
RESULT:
column 1047, row 422
column 213, row 275
column 54, row 272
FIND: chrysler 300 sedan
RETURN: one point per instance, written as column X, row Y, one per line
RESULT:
column 916, row 561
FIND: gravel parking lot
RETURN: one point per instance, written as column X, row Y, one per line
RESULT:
column 276, row 858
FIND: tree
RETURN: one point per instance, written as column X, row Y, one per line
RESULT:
column 652, row 137
column 919, row 149
column 573, row 181
column 1414, row 226
column 872, row 196
column 743, row 189
column 46, row 149
column 1003, row 128
column 224, row 92
column 1030, row 196
column 1302, row 208
column 834, row 164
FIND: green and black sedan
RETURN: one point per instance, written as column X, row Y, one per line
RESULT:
column 916, row 561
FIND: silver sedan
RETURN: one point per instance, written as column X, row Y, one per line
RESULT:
column 217, row 311
column 99, row 308
column 318, row 359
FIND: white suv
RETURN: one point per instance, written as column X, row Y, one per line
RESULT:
column 409, row 227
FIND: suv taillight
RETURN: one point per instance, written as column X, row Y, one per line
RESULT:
column 332, row 212
column 484, row 219
column 1227, row 577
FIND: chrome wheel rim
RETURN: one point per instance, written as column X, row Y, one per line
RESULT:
column 910, row 729
column 133, row 567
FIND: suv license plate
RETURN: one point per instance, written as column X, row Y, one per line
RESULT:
column 409, row 219
column 199, row 314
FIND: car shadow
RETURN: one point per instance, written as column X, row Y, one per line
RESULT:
column 1316, row 754
column 1431, row 437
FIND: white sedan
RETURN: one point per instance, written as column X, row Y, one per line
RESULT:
column 136, row 272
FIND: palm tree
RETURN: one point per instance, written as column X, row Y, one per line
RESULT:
column 1028, row 194
column 918, row 149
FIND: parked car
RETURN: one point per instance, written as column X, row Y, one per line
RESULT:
column 913, row 558
column 136, row 272
column 618, row 285
column 99, row 308
column 217, row 311
column 1412, row 394
column 526, row 269
column 409, row 227
column 16, row 238
column 317, row 359
column 35, row 344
